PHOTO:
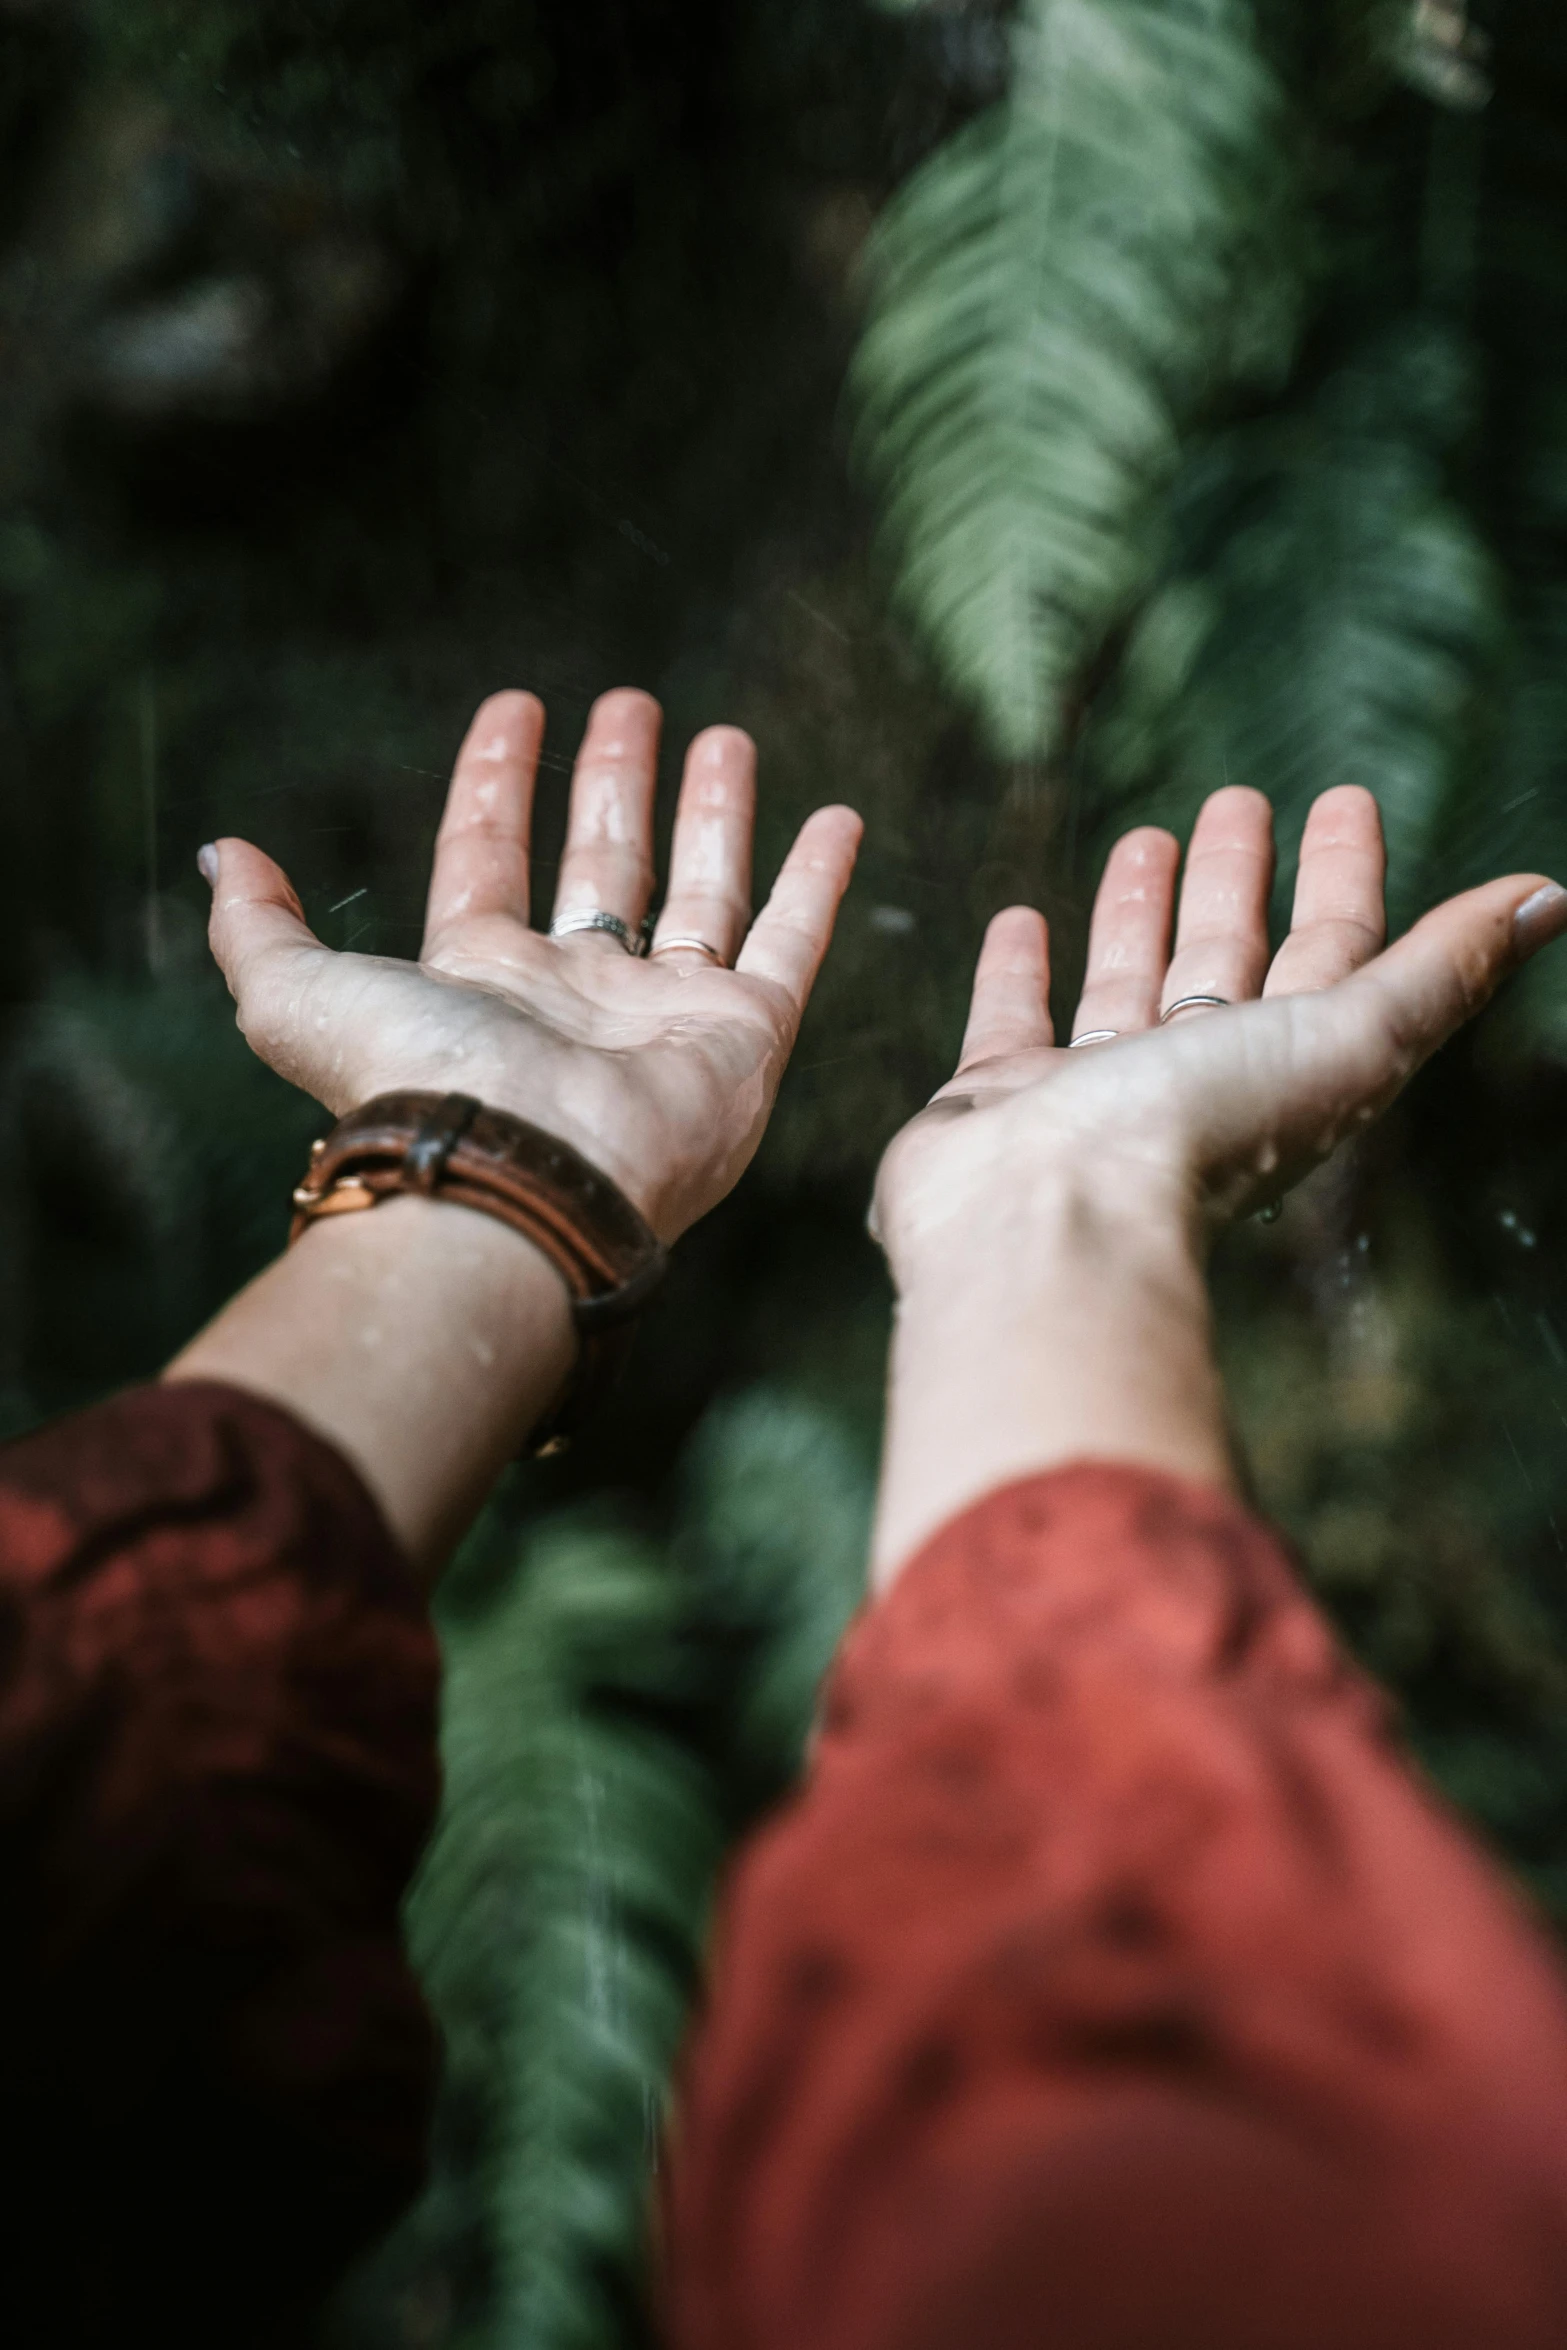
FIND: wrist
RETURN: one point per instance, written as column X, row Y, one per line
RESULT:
column 1068, row 1321
column 585, row 1108
column 1021, row 1223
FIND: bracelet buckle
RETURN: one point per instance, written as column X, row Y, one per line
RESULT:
column 452, row 1147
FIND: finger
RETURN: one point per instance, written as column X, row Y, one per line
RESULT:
column 1340, row 919
column 1129, row 944
column 1009, row 1011
column 1221, row 940
column 710, row 859
column 607, row 864
column 481, row 850
column 794, row 929
column 262, row 943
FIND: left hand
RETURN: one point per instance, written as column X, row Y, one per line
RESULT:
column 1213, row 1077
column 663, row 1071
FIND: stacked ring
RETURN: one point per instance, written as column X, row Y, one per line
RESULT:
column 571, row 925
column 1094, row 1036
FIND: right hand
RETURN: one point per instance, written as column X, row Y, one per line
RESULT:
column 1221, row 1111
column 662, row 1071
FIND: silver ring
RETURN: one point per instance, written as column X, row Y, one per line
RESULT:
column 571, row 925
column 690, row 946
column 1192, row 1003
column 1094, row 1036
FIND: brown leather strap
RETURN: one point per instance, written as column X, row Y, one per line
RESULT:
column 451, row 1147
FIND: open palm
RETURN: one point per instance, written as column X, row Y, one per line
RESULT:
column 1218, row 1073
column 662, row 1071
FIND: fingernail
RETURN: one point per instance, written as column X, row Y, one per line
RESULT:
column 207, row 865
column 1540, row 918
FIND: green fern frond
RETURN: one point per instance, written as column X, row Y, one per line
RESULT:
column 614, row 1719
column 625, row 1841
column 1330, row 616
column 686, row 1686
column 1053, row 297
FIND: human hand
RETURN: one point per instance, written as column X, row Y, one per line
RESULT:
column 1219, row 1111
column 661, row 1071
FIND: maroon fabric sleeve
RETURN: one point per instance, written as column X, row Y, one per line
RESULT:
column 217, row 1767
column 1114, row 1985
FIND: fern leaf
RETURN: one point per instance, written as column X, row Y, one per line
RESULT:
column 1331, row 617
column 683, row 1689
column 615, row 1716
column 1053, row 296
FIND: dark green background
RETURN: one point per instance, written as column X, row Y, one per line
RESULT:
column 556, row 307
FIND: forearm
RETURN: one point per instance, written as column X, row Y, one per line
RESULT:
column 1058, row 1325
column 421, row 1339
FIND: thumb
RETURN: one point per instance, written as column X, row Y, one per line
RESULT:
column 1291, row 1077
column 1448, row 967
column 262, row 944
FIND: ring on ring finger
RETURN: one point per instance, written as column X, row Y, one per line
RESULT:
column 690, row 946
column 1196, row 1003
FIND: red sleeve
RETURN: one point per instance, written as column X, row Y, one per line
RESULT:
column 217, row 1767
column 1114, row 1985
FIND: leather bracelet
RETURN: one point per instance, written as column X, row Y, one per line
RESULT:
column 451, row 1147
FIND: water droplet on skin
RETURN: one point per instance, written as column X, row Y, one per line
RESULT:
column 601, row 812
column 706, row 854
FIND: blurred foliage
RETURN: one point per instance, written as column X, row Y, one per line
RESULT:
column 1212, row 382
column 1330, row 617
column 617, row 1712
column 361, row 356
column 1057, row 293
column 1411, row 1440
